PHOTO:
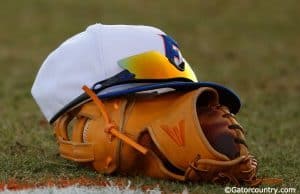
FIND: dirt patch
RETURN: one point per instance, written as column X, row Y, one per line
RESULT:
column 60, row 183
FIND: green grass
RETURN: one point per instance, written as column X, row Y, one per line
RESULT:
column 249, row 46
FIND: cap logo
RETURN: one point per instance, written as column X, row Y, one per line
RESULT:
column 173, row 53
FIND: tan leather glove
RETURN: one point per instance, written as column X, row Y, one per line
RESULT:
column 180, row 135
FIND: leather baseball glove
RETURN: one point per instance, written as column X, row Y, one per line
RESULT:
column 179, row 135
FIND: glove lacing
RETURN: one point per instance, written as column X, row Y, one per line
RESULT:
column 111, row 126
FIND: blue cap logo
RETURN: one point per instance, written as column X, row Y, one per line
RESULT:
column 173, row 53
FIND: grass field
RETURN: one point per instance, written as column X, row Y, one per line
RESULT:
column 250, row 46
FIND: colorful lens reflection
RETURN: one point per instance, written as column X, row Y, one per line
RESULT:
column 154, row 65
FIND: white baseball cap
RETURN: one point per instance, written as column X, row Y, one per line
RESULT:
column 114, row 60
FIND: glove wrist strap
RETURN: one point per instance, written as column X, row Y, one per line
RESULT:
column 78, row 152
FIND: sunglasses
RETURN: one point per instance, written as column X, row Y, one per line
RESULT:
column 153, row 65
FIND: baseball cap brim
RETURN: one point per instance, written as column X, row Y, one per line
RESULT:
column 227, row 97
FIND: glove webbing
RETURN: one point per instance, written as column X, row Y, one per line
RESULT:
column 111, row 126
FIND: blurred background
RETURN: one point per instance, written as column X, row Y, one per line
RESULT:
column 250, row 46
